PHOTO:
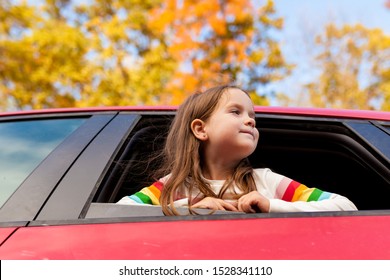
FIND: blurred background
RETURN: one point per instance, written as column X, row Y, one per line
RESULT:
column 307, row 53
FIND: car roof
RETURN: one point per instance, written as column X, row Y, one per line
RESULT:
column 292, row 111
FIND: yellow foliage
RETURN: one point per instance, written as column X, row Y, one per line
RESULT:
column 353, row 65
column 133, row 52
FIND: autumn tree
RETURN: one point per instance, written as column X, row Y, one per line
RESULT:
column 354, row 68
column 130, row 61
column 61, row 53
column 219, row 41
column 42, row 57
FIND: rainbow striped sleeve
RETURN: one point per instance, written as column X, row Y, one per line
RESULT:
column 290, row 190
column 148, row 195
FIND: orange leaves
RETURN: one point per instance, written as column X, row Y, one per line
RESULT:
column 133, row 52
column 220, row 38
column 218, row 25
column 160, row 19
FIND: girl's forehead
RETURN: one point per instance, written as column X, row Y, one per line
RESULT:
column 235, row 95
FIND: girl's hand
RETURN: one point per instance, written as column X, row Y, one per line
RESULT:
column 253, row 202
column 215, row 204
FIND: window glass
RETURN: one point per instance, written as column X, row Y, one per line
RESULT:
column 24, row 144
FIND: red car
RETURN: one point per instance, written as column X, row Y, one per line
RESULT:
column 61, row 172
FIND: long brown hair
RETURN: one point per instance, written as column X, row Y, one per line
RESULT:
column 182, row 154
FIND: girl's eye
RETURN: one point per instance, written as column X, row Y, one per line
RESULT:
column 236, row 112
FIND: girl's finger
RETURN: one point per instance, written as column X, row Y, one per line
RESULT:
column 229, row 206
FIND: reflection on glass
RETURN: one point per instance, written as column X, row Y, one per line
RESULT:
column 24, row 144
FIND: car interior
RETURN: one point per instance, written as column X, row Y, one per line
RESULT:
column 317, row 152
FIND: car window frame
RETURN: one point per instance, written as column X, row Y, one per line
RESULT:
column 374, row 135
column 102, row 150
column 153, row 215
column 337, row 130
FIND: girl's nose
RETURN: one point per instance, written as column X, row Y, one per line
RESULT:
column 251, row 122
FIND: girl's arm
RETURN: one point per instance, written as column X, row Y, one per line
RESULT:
column 148, row 196
column 311, row 199
column 286, row 195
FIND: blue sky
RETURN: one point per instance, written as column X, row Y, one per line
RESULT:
column 303, row 19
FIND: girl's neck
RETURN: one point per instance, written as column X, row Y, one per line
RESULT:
column 217, row 172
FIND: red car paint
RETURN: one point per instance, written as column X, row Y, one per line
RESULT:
column 5, row 233
column 321, row 238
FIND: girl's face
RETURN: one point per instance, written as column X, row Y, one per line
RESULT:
column 230, row 130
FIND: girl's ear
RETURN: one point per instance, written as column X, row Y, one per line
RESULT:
column 198, row 129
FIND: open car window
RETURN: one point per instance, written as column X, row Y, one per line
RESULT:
column 319, row 152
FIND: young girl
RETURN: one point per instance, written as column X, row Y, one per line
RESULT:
column 206, row 159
